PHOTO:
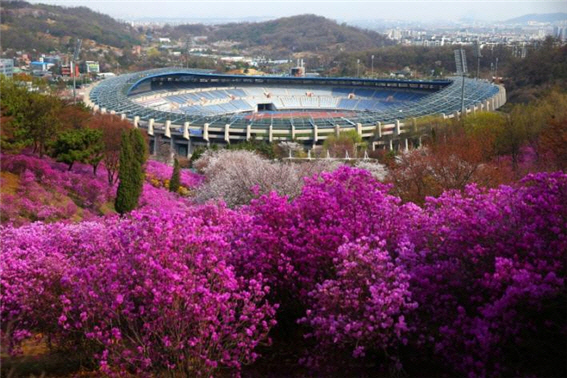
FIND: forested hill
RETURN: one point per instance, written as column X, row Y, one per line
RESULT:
column 298, row 33
column 45, row 27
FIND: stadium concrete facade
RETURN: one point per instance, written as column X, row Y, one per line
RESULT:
column 190, row 107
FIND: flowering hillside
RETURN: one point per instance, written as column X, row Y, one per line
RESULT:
column 159, row 174
column 35, row 189
column 472, row 283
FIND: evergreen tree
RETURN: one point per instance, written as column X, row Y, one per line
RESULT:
column 175, row 181
column 139, row 146
column 130, row 175
column 82, row 145
column 140, row 155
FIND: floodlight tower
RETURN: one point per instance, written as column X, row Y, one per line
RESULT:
column 496, row 69
column 461, row 63
column 477, row 54
column 73, row 63
column 187, row 54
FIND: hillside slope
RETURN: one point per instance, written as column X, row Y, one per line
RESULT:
column 295, row 34
column 46, row 27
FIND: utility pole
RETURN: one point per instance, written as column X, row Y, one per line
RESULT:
column 73, row 63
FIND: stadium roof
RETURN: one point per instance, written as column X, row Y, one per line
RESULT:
column 445, row 97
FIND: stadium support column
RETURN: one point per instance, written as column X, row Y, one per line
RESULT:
column 136, row 121
column 96, row 108
column 206, row 133
column 186, row 136
column 168, row 129
column 186, row 130
column 487, row 107
column 391, row 144
column 102, row 110
column 113, row 112
column 502, row 95
column 248, row 132
column 189, row 149
column 271, row 133
column 227, row 133
column 444, row 116
column 379, row 129
column 315, row 134
column 292, row 132
column 123, row 116
column 359, row 129
column 151, row 126
column 398, row 130
column 337, row 131
column 406, row 146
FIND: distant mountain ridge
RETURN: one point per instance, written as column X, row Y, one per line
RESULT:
column 541, row 17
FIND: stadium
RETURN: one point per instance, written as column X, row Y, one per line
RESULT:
column 190, row 107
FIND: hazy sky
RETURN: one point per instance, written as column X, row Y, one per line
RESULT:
column 341, row 10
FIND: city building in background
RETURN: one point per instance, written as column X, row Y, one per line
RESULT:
column 90, row 66
column 40, row 68
column 7, row 67
column 66, row 70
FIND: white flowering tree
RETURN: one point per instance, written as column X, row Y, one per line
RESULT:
column 235, row 176
column 378, row 171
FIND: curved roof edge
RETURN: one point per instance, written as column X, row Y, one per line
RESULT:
column 262, row 78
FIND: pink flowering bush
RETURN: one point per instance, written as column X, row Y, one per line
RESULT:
column 298, row 246
column 34, row 260
column 363, row 308
column 161, row 198
column 486, row 269
column 471, row 284
column 146, row 294
column 488, row 272
column 294, row 243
